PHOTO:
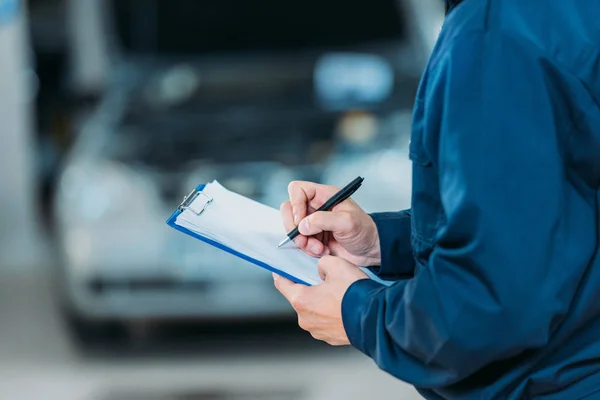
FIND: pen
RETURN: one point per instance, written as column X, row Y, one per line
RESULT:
column 336, row 199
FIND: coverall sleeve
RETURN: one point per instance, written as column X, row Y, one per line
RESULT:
column 492, row 286
column 394, row 229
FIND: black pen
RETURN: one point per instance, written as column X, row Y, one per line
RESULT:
column 337, row 198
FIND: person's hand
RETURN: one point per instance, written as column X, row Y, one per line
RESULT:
column 319, row 307
column 346, row 231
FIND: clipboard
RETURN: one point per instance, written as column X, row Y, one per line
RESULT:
column 196, row 203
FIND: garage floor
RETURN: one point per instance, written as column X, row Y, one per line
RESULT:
column 39, row 361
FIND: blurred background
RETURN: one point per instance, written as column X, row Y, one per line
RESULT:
column 111, row 111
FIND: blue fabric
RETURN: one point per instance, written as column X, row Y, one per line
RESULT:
column 504, row 302
column 397, row 259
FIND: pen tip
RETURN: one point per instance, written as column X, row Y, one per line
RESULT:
column 284, row 241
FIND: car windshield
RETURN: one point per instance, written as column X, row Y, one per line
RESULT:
column 159, row 27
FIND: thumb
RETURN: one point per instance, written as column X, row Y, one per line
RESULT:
column 330, row 265
column 331, row 221
column 287, row 288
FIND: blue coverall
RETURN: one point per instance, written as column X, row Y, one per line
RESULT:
column 497, row 292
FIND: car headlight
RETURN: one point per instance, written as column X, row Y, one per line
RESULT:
column 107, row 216
column 91, row 190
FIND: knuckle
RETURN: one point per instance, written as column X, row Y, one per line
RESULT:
column 284, row 206
column 351, row 222
column 298, row 303
column 302, row 323
column 292, row 186
column 317, row 221
column 322, row 262
column 319, row 216
column 323, row 265
column 310, row 220
column 297, row 203
column 300, row 242
column 323, row 274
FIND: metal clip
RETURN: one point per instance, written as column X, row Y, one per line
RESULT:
column 189, row 199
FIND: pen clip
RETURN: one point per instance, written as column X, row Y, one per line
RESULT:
column 189, row 200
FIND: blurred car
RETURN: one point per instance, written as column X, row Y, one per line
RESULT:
column 253, row 96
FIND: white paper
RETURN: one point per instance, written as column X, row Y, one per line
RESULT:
column 250, row 228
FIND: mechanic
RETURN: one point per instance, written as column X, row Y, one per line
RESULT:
column 496, row 291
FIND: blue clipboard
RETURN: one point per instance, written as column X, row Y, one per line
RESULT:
column 186, row 202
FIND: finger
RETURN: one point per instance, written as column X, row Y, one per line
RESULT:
column 290, row 290
column 288, row 223
column 333, row 221
column 287, row 216
column 330, row 265
column 322, row 274
column 300, row 195
column 325, row 265
column 315, row 247
column 325, row 241
column 308, row 196
column 301, row 242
